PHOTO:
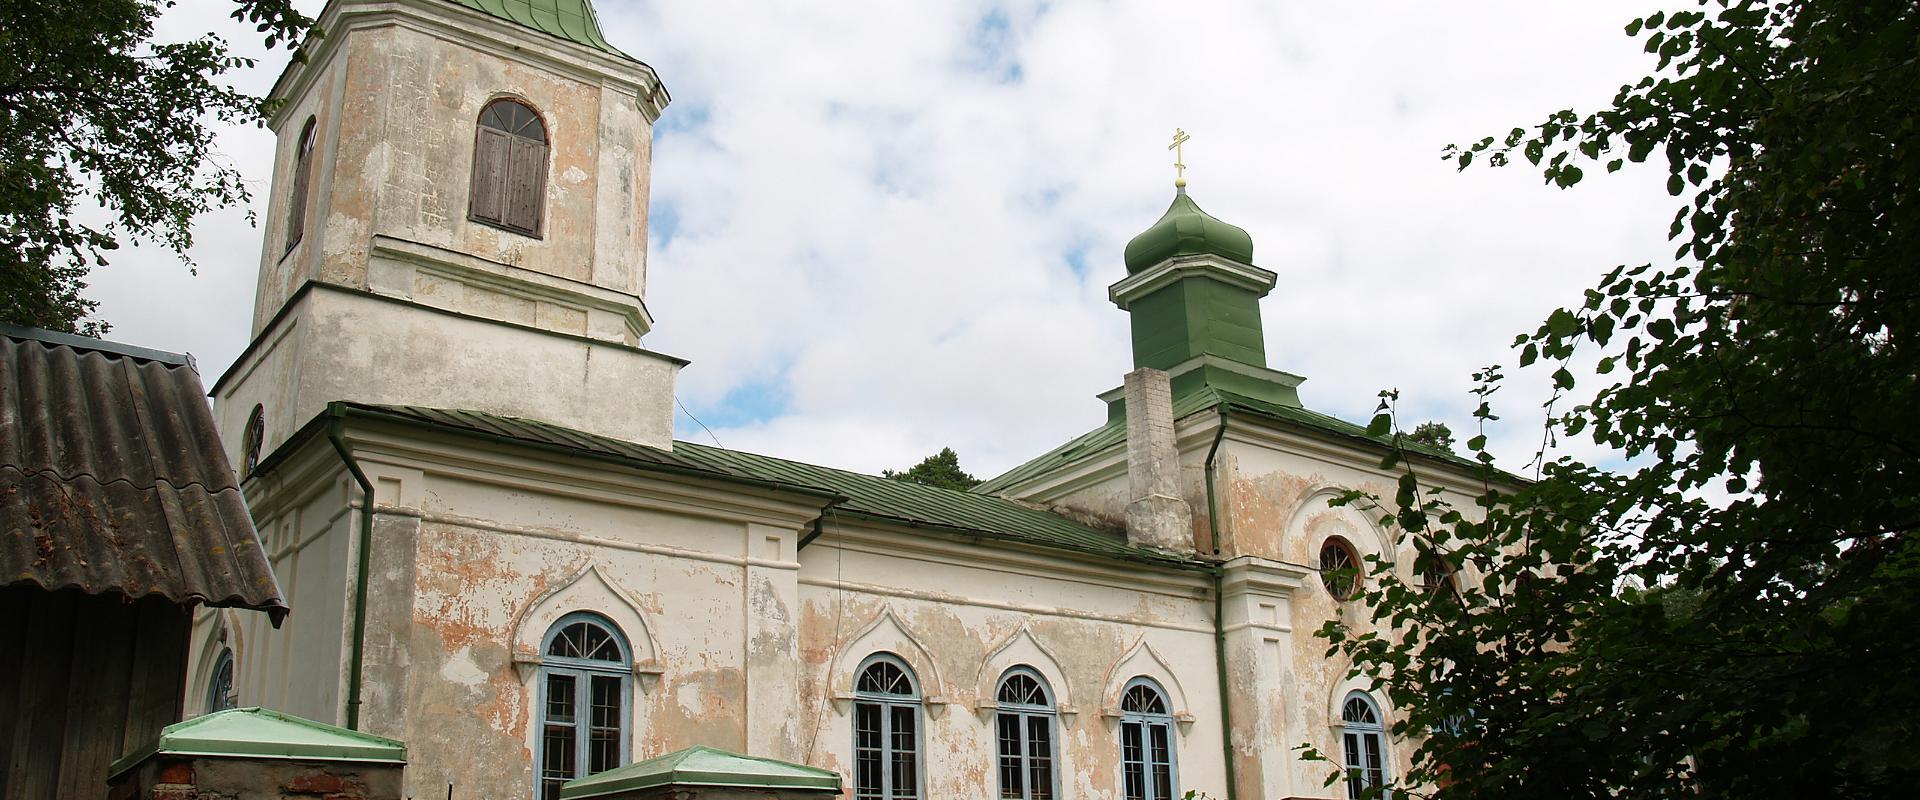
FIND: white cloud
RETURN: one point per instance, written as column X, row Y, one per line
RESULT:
column 875, row 230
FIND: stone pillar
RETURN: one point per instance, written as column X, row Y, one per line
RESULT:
column 1156, row 514
column 1256, row 600
column 772, row 589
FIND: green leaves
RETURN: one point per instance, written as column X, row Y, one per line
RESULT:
column 1694, row 621
column 94, row 112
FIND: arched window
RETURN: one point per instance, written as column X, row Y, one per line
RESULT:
column 1146, row 742
column 302, row 177
column 586, row 686
column 220, row 682
column 886, row 731
column 1363, row 744
column 251, row 439
column 509, row 167
column 1339, row 568
column 1024, row 726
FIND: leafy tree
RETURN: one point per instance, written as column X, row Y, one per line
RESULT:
column 93, row 112
column 1433, row 434
column 1732, row 610
column 941, row 469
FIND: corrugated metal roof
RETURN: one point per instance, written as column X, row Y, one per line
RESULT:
column 1205, row 399
column 112, row 478
column 909, row 504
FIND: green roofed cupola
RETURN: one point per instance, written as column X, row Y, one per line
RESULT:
column 1194, row 296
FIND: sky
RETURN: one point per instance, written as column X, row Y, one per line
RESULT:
column 884, row 228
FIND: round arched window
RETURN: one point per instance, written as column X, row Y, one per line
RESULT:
column 1339, row 568
column 509, row 167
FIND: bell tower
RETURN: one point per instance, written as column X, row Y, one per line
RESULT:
column 458, row 219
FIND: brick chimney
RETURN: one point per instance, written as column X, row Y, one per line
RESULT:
column 1156, row 514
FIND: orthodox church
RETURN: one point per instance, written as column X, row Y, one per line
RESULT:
column 460, row 460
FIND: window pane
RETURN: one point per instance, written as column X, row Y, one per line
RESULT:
column 1132, row 765
column 1371, row 744
column 867, row 750
column 1009, row 742
column 603, row 751
column 1040, row 757
column 1162, row 762
column 560, row 698
column 905, row 756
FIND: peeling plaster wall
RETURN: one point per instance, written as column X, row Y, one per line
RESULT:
column 396, row 95
column 1088, row 633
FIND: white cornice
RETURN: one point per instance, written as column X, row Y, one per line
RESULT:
column 959, row 550
column 505, row 279
column 1146, row 281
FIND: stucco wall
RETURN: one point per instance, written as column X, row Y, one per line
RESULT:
column 396, row 90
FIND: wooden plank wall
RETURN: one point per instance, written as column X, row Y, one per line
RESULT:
column 83, row 680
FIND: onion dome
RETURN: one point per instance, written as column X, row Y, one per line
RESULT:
column 1186, row 230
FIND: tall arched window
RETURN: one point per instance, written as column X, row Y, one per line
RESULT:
column 1363, row 744
column 509, row 167
column 220, row 682
column 1024, row 729
column 251, row 439
column 886, row 731
column 1146, row 742
column 302, row 176
column 586, row 686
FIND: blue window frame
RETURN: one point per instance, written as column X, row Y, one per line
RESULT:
column 1147, row 769
column 1363, row 743
column 1023, row 728
column 886, row 730
column 586, row 701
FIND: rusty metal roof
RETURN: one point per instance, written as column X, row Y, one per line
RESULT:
column 112, row 478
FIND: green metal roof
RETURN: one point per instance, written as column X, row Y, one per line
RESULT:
column 702, row 766
column 1186, row 230
column 1203, row 399
column 859, row 496
column 572, row 20
column 261, row 733
column 916, row 505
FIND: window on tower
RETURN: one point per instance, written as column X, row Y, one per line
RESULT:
column 509, row 167
column 302, row 176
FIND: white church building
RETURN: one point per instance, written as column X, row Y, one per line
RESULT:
column 461, row 463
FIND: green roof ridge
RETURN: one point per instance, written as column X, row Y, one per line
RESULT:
column 572, row 20
column 702, row 766
column 1187, row 230
column 1205, row 398
column 255, row 732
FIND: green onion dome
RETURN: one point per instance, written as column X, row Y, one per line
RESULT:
column 1186, row 230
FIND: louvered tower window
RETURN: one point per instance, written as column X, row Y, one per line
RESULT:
column 1363, row 743
column 586, row 686
column 1024, row 731
column 1146, row 743
column 302, row 177
column 886, row 731
column 509, row 167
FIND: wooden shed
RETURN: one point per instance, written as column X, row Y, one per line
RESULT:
column 118, row 514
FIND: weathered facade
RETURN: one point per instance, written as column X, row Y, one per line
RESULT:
column 466, row 481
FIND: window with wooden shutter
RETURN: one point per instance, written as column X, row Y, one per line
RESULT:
column 297, row 198
column 509, row 168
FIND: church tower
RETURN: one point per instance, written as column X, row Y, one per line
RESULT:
column 458, row 219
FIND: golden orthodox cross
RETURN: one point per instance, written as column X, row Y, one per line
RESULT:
column 1180, row 137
